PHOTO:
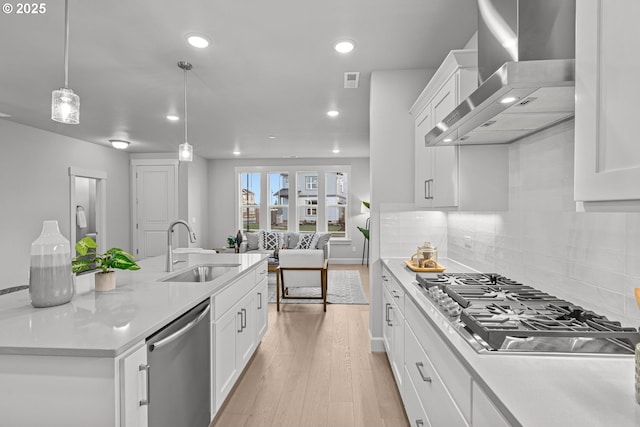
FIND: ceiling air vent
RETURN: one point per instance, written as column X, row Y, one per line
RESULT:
column 351, row 79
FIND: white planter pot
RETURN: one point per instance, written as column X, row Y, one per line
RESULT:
column 105, row 281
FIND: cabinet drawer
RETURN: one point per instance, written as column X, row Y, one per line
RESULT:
column 395, row 290
column 415, row 411
column 234, row 293
column 261, row 271
column 451, row 371
column 485, row 414
column 434, row 396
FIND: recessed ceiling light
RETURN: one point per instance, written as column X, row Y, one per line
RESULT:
column 236, row 153
column 198, row 40
column 172, row 118
column 508, row 100
column 447, row 140
column 336, row 151
column 333, row 113
column 4, row 115
column 344, row 46
column 120, row 144
column 271, row 137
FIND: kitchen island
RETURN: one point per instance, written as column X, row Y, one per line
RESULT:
column 521, row 389
column 65, row 365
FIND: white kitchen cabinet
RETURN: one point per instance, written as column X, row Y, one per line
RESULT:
column 236, row 330
column 134, row 394
column 262, row 311
column 607, row 153
column 412, row 406
column 455, row 177
column 393, row 328
column 485, row 414
column 439, row 406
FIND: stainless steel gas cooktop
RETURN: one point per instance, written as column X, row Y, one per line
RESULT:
column 503, row 315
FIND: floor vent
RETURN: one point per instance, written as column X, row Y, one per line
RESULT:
column 351, row 79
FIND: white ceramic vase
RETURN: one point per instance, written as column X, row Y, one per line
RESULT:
column 50, row 277
column 105, row 281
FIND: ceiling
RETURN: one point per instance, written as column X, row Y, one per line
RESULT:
column 270, row 70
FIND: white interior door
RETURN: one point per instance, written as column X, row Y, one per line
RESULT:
column 156, row 207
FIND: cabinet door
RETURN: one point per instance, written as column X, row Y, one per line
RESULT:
column 415, row 412
column 423, row 158
column 246, row 335
column 607, row 154
column 445, row 178
column 397, row 346
column 262, row 311
column 445, row 100
column 225, row 331
column 484, row 412
column 134, row 395
column 387, row 328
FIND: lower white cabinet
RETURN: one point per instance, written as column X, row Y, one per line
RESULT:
column 415, row 412
column 485, row 414
column 393, row 329
column 439, row 406
column 238, row 324
column 134, row 390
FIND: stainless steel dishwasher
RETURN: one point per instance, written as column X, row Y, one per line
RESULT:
column 179, row 359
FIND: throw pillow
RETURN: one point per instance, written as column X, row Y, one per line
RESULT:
column 270, row 240
column 307, row 241
column 294, row 238
column 252, row 241
column 323, row 238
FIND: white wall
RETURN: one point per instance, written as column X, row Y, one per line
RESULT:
column 591, row 259
column 391, row 156
column 198, row 200
column 34, row 186
column 222, row 200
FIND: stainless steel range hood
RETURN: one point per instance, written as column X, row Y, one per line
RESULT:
column 525, row 50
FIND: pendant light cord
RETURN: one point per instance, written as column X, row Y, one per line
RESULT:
column 66, row 44
column 186, row 120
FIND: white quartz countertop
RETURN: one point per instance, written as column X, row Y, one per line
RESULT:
column 105, row 324
column 538, row 390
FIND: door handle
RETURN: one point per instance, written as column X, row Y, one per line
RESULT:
column 259, row 300
column 244, row 318
column 420, row 365
column 177, row 334
column 147, row 392
column 240, row 314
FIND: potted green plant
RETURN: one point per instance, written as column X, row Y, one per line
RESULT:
column 231, row 241
column 89, row 259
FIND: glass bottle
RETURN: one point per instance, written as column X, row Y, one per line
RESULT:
column 50, row 275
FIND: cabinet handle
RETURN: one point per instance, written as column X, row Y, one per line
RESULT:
column 428, row 184
column 390, row 322
column 240, row 314
column 386, row 316
column 419, row 423
column 395, row 294
column 259, row 300
column 384, row 279
column 420, row 365
column 147, row 392
column 244, row 318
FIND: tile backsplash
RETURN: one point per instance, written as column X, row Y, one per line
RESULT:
column 591, row 259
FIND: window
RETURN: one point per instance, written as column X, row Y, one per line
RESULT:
column 336, row 203
column 296, row 199
column 250, row 201
column 311, row 182
column 279, row 201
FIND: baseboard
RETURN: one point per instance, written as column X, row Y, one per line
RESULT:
column 377, row 345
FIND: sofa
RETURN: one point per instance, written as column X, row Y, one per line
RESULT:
column 272, row 242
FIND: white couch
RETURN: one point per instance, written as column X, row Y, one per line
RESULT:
column 289, row 240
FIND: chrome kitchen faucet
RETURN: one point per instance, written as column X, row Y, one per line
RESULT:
column 192, row 238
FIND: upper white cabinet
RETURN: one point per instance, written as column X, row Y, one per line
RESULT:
column 607, row 153
column 455, row 177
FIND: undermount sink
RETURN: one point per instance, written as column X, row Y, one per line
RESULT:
column 200, row 273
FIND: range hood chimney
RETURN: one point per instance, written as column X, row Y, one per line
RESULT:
column 526, row 72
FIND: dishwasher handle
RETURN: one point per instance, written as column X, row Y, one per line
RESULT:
column 177, row 334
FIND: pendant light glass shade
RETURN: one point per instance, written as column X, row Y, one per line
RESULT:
column 65, row 106
column 185, row 152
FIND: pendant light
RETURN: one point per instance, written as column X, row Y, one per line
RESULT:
column 185, row 150
column 65, row 105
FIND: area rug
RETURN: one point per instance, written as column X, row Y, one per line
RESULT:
column 343, row 287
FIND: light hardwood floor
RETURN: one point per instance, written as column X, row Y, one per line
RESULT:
column 315, row 369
